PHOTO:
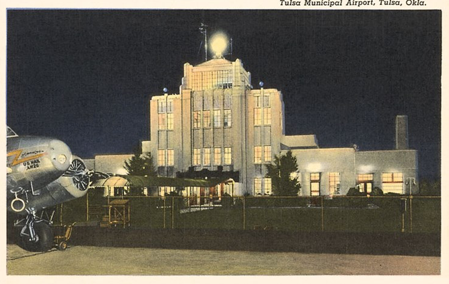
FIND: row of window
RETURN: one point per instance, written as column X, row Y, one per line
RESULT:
column 220, row 79
column 262, row 120
column 165, row 106
column 391, row 182
column 165, row 157
column 204, row 119
column 262, row 186
column 165, row 121
column 262, row 101
column 205, row 156
column 262, row 154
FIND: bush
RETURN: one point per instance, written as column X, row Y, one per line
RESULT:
column 355, row 192
column 377, row 192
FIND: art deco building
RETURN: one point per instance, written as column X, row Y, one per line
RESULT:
column 220, row 126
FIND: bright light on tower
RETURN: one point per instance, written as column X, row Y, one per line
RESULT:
column 218, row 44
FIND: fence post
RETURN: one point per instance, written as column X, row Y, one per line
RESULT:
column 172, row 212
column 244, row 213
column 411, row 214
column 87, row 206
column 164, row 210
column 322, row 213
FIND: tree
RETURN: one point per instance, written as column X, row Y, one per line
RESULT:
column 140, row 165
column 281, row 175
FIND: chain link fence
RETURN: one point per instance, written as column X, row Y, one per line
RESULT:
column 407, row 214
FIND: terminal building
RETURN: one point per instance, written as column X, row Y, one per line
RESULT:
column 219, row 126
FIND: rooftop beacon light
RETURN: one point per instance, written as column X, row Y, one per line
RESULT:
column 219, row 44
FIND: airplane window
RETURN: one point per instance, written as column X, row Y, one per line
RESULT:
column 10, row 132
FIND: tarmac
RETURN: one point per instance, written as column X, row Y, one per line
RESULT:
column 91, row 260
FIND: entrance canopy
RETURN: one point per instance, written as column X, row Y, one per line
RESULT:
column 139, row 181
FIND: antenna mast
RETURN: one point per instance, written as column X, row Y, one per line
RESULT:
column 203, row 30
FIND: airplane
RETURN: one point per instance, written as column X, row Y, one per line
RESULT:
column 41, row 173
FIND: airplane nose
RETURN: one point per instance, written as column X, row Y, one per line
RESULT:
column 60, row 155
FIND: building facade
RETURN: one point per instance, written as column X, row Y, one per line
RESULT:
column 219, row 125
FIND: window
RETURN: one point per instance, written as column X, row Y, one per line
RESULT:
column 267, row 153
column 161, row 121
column 217, row 118
column 170, row 157
column 196, row 157
column 217, row 156
column 267, row 186
column 161, row 158
column 170, row 106
column 257, row 154
column 266, row 101
column 227, row 156
column 206, row 156
column 257, row 116
column 365, row 182
column 257, row 101
column 267, row 116
column 169, row 121
column 315, row 184
column 334, row 183
column 206, row 119
column 196, row 119
column 227, row 118
column 161, row 106
column 392, row 182
column 257, row 186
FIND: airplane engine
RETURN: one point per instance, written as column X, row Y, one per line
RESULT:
column 72, row 184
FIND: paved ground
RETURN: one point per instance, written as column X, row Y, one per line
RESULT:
column 89, row 260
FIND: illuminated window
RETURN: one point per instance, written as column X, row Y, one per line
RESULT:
column 315, row 184
column 257, row 116
column 334, row 183
column 206, row 119
column 227, row 156
column 206, row 156
column 161, row 106
column 365, row 182
column 170, row 157
column 392, row 182
column 257, row 154
column 196, row 157
column 196, row 119
column 217, row 156
column 257, row 186
column 267, row 153
column 161, row 158
column 161, row 121
column 267, row 186
column 170, row 121
column 217, row 118
column 227, row 118
column 267, row 116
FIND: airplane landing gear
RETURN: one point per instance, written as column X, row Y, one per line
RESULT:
column 36, row 235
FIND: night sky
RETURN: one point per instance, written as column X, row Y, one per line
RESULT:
column 86, row 76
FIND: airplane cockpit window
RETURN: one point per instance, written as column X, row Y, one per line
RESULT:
column 10, row 132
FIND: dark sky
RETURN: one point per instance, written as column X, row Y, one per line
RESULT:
column 86, row 76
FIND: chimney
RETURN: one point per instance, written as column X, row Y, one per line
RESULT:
column 401, row 132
